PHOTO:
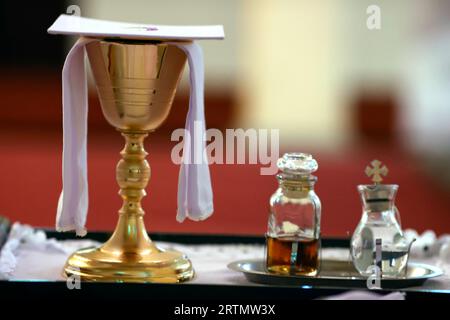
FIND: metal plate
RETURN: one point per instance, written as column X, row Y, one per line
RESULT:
column 333, row 273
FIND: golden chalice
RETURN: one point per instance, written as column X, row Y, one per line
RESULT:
column 136, row 83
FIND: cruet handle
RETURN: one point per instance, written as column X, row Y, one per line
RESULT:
column 397, row 216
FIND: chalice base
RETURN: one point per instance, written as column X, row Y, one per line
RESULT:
column 149, row 265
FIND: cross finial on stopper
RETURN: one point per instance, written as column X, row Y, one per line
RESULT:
column 376, row 171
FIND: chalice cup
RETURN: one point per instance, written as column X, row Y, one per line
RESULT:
column 136, row 83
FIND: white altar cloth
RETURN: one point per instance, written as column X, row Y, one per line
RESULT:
column 45, row 259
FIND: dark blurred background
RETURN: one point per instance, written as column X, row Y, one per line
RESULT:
column 311, row 69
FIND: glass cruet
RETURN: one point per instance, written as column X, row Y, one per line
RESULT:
column 380, row 220
column 293, row 235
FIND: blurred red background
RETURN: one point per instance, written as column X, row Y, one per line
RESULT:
column 31, row 119
column 30, row 167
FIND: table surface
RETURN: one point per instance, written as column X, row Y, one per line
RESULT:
column 210, row 255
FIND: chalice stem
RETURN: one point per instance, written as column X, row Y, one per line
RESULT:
column 132, row 175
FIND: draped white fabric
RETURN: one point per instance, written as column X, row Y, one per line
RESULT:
column 194, row 182
column 194, row 186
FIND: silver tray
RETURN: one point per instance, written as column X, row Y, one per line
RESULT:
column 333, row 273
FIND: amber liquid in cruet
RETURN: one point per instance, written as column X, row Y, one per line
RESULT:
column 293, row 255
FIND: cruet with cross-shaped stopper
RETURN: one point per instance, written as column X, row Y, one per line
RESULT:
column 380, row 221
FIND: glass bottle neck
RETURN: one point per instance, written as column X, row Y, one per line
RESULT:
column 378, row 205
column 296, row 183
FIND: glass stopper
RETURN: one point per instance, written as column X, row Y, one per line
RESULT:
column 297, row 163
